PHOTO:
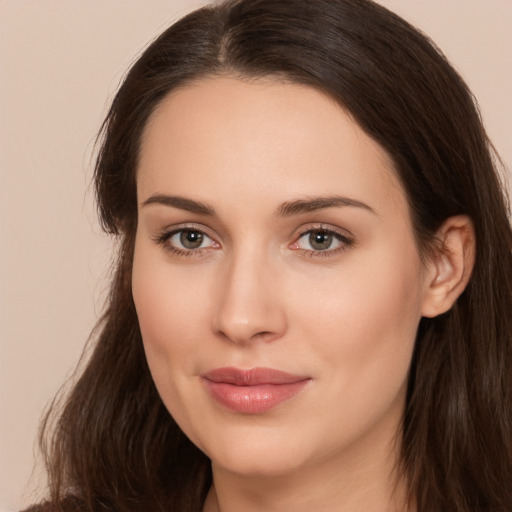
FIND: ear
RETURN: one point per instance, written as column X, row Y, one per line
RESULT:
column 449, row 267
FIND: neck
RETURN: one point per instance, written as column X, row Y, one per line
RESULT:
column 366, row 482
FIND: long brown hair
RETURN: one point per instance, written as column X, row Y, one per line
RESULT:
column 114, row 446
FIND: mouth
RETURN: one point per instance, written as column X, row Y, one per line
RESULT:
column 252, row 391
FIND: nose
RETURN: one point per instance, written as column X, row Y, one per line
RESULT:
column 250, row 303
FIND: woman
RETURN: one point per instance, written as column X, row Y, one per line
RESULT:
column 311, row 309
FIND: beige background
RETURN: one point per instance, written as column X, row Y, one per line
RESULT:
column 60, row 63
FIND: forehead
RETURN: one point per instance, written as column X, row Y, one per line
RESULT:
column 261, row 138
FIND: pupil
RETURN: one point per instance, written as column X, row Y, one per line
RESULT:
column 320, row 240
column 191, row 239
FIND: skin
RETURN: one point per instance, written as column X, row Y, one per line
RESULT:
column 258, row 293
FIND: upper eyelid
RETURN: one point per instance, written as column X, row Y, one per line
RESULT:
column 170, row 230
column 303, row 230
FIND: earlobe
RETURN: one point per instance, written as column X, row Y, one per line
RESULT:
column 450, row 266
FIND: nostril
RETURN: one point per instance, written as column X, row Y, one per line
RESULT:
column 266, row 336
column 246, row 334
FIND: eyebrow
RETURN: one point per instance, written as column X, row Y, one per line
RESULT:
column 319, row 203
column 182, row 203
column 287, row 209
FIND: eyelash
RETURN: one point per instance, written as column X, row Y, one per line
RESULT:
column 163, row 240
column 345, row 242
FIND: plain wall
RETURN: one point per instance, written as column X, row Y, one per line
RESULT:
column 60, row 64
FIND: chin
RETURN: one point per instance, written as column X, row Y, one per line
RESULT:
column 258, row 464
column 258, row 454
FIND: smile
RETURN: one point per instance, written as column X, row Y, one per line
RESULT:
column 252, row 391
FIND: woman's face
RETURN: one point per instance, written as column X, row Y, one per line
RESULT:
column 276, row 277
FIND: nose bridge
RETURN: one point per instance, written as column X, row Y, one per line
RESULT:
column 249, row 304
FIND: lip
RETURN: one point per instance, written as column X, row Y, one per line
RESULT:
column 252, row 391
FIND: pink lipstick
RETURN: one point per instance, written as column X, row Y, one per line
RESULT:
column 252, row 391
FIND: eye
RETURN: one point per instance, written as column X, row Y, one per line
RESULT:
column 186, row 241
column 189, row 239
column 321, row 240
column 318, row 240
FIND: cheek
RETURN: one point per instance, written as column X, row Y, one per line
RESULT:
column 167, row 309
column 170, row 321
column 364, row 324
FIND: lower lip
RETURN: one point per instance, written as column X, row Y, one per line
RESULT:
column 253, row 399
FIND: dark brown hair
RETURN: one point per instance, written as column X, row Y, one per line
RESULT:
column 114, row 445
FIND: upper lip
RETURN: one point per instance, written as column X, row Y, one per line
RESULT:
column 251, row 377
